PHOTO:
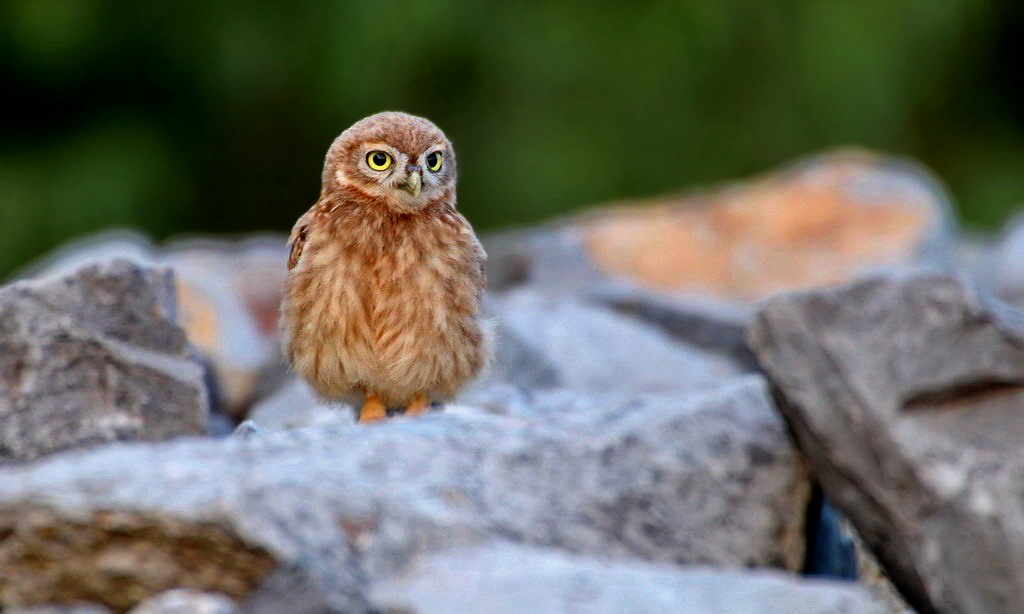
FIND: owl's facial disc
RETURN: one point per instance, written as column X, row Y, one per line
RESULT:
column 404, row 177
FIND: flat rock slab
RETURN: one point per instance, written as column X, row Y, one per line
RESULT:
column 717, row 327
column 294, row 406
column 818, row 222
column 907, row 393
column 181, row 601
column 706, row 479
column 92, row 357
column 80, row 608
column 506, row 579
column 595, row 349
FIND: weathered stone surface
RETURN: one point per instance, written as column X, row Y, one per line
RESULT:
column 907, row 393
column 516, row 360
column 816, row 223
column 288, row 589
column 296, row 406
column 117, row 557
column 247, row 430
column 713, row 325
column 229, row 293
column 979, row 257
column 1000, row 266
column 506, row 579
column 708, row 479
column 871, row 575
column 92, row 357
column 182, row 601
column 553, row 258
column 80, row 608
column 595, row 349
column 219, row 424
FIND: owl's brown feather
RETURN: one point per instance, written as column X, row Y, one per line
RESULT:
column 296, row 242
column 384, row 291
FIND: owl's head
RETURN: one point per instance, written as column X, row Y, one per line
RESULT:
column 401, row 161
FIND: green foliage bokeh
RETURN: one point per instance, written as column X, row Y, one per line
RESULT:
column 214, row 117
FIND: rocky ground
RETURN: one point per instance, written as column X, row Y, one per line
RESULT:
column 681, row 392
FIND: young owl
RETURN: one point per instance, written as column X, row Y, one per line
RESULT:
column 385, row 277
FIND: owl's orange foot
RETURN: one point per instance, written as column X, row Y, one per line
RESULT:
column 418, row 405
column 373, row 410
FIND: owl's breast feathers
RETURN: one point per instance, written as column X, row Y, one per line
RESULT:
column 385, row 302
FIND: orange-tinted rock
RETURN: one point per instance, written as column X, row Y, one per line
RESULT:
column 198, row 317
column 816, row 224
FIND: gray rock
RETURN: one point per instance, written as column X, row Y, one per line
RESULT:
column 515, row 360
column 219, row 424
column 907, row 394
column 594, row 349
column 180, row 601
column 506, row 579
column 707, row 479
column 871, row 575
column 246, row 431
column 1001, row 267
column 714, row 325
column 229, row 293
column 78, row 608
column 93, row 357
column 983, row 259
column 296, row 406
column 287, row 589
column 550, row 257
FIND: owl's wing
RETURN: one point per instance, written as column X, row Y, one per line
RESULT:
column 478, row 267
column 297, row 241
column 481, row 265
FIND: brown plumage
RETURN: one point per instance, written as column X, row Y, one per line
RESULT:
column 382, row 301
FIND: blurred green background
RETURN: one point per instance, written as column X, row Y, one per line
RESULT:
column 214, row 117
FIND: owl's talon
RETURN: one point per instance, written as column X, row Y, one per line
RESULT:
column 373, row 410
column 418, row 405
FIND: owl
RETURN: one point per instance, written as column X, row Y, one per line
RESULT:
column 382, row 301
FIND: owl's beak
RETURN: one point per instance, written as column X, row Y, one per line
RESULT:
column 413, row 183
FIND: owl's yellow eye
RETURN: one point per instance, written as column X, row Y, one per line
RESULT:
column 379, row 160
column 434, row 161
